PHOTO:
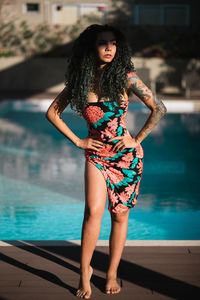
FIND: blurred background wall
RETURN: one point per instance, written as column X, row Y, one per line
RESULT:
column 36, row 37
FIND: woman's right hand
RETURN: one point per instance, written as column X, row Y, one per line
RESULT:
column 90, row 143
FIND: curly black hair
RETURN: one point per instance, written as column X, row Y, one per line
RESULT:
column 81, row 67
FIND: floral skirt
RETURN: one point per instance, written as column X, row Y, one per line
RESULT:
column 122, row 172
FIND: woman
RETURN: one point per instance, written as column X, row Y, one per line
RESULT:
column 99, row 78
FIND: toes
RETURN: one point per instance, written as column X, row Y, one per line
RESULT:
column 83, row 294
column 117, row 290
column 79, row 293
column 87, row 296
column 112, row 291
column 112, row 287
column 108, row 291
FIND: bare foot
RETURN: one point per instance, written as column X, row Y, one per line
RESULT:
column 84, row 289
column 112, row 287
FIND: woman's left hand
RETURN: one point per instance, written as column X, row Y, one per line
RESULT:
column 126, row 141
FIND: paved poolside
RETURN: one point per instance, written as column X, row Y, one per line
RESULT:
column 148, row 270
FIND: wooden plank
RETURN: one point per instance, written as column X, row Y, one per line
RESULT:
column 4, row 282
column 156, row 249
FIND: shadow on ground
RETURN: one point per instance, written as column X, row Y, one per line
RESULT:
column 128, row 271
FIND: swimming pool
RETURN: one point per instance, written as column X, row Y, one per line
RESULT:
column 42, row 177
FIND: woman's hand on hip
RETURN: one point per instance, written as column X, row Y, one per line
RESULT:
column 125, row 141
column 90, row 143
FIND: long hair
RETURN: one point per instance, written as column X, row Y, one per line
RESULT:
column 81, row 67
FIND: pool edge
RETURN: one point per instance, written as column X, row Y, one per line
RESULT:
column 41, row 105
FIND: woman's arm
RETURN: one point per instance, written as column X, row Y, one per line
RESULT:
column 53, row 114
column 158, row 109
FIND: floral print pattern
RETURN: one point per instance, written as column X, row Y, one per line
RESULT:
column 122, row 170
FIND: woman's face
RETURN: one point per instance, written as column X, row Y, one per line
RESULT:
column 106, row 47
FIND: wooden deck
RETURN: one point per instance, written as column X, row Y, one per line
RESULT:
column 41, row 272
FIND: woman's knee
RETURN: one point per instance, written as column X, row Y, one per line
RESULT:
column 120, row 217
column 93, row 212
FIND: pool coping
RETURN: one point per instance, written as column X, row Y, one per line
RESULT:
column 139, row 243
column 173, row 106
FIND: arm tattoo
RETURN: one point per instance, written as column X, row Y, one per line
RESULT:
column 156, row 105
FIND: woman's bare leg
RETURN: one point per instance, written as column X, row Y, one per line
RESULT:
column 95, row 200
column 116, row 245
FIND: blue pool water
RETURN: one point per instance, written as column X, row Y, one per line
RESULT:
column 42, row 177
